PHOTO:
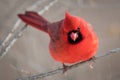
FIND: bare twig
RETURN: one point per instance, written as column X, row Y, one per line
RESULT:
column 60, row 70
column 11, row 38
column 5, row 48
column 10, row 34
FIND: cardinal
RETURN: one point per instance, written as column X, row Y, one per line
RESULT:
column 72, row 39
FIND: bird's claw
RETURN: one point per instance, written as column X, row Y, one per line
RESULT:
column 64, row 68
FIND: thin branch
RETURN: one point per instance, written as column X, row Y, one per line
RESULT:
column 60, row 70
column 12, row 37
column 46, row 8
column 5, row 48
column 10, row 34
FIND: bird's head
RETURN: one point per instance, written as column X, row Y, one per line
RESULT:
column 72, row 27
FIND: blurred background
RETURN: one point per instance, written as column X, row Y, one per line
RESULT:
column 30, row 55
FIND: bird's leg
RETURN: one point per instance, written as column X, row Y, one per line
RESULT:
column 91, row 62
column 64, row 68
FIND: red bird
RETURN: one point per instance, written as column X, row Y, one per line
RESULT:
column 72, row 39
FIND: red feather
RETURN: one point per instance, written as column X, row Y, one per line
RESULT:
column 60, row 47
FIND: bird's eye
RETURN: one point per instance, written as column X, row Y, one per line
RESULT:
column 78, row 28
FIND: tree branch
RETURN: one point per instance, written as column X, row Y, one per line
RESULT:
column 13, row 35
column 8, row 43
column 60, row 70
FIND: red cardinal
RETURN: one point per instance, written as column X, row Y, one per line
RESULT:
column 71, row 40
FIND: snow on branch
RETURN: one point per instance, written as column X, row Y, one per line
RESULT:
column 60, row 70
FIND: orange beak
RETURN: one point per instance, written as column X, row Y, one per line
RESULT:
column 74, row 36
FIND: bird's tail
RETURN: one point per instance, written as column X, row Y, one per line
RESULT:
column 35, row 20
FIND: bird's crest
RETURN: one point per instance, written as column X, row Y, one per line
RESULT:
column 70, row 22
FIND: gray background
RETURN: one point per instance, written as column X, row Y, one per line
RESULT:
column 30, row 54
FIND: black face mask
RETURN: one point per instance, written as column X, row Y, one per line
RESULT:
column 79, row 38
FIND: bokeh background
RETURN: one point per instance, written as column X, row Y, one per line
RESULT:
column 30, row 55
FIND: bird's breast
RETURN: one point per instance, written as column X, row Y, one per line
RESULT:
column 65, row 52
